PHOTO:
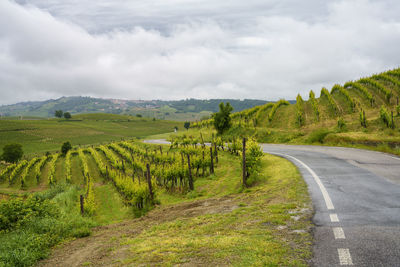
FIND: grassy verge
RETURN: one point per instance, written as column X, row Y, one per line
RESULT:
column 266, row 224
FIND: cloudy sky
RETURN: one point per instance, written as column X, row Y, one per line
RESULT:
column 176, row 49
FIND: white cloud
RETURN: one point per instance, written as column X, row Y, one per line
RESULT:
column 250, row 54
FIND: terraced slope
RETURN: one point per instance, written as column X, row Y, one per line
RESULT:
column 339, row 111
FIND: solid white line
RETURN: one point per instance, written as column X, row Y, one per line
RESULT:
column 334, row 217
column 344, row 256
column 338, row 233
column 328, row 201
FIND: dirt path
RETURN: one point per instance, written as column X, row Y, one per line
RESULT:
column 103, row 247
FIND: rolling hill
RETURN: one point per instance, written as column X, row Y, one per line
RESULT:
column 189, row 109
column 364, row 112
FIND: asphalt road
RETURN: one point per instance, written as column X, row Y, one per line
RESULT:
column 356, row 197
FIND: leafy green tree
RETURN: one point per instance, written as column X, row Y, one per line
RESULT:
column 67, row 115
column 12, row 152
column 65, row 147
column 58, row 113
column 186, row 125
column 222, row 118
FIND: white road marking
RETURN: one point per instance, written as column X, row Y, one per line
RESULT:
column 338, row 233
column 328, row 201
column 344, row 256
column 334, row 217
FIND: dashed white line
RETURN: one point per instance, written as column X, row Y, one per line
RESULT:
column 334, row 217
column 338, row 233
column 328, row 201
column 344, row 256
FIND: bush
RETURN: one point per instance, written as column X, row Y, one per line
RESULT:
column 65, row 148
column 318, row 136
column 29, row 227
column 341, row 124
column 12, row 153
column 67, row 115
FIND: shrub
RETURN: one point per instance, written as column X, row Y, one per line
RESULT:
column 386, row 118
column 12, row 152
column 65, row 147
column 318, row 136
column 341, row 124
column 363, row 119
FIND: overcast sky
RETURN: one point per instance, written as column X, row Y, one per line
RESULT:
column 176, row 49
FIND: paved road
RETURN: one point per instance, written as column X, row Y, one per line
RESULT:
column 356, row 196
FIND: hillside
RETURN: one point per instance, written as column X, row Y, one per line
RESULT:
column 43, row 135
column 364, row 112
column 189, row 109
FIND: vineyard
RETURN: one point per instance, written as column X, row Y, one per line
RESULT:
column 137, row 171
column 367, row 105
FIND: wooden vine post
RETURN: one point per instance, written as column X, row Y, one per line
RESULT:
column 82, row 203
column 191, row 186
column 216, row 153
column 244, row 163
column 212, row 161
column 392, row 121
column 149, row 181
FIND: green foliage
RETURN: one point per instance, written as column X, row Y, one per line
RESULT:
column 30, row 227
column 27, row 169
column 65, row 147
column 299, row 111
column 388, row 78
column 254, row 155
column 186, row 125
column 139, row 115
column 361, row 89
column 67, row 115
column 58, row 113
column 363, row 119
column 222, row 118
column 345, row 93
column 52, row 169
column 314, row 104
column 332, row 103
column 17, row 170
column 341, row 125
column 398, row 110
column 375, row 84
column 275, row 107
column 12, row 152
column 386, row 118
column 318, row 136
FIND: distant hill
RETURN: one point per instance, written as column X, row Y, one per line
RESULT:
column 189, row 109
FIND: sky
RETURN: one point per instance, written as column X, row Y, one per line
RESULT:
column 178, row 49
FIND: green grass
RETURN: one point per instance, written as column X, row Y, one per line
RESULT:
column 252, row 228
column 46, row 219
column 39, row 136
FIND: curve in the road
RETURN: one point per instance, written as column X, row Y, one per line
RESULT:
column 363, row 228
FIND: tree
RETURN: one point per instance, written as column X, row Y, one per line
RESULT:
column 222, row 118
column 186, row 125
column 65, row 147
column 58, row 113
column 12, row 152
column 67, row 115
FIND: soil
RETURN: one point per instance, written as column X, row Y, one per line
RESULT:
column 103, row 247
